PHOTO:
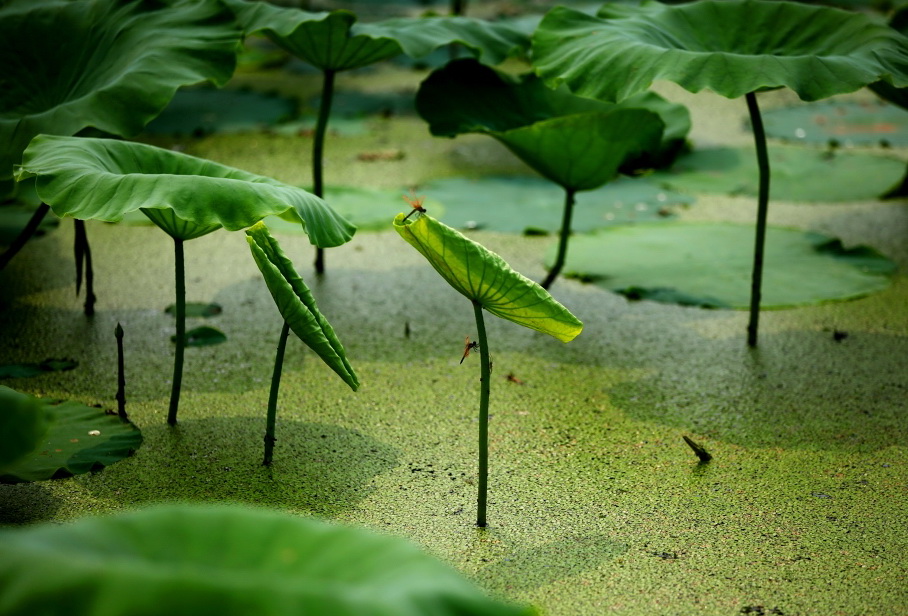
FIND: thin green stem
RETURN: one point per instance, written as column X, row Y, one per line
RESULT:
column 562, row 239
column 272, row 397
column 180, row 275
column 482, row 485
column 756, row 122
column 318, row 151
column 27, row 231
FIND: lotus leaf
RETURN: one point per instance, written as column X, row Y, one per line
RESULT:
column 226, row 560
column 24, row 423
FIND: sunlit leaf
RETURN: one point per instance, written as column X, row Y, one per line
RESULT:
column 296, row 303
column 484, row 277
column 228, row 560
column 104, row 179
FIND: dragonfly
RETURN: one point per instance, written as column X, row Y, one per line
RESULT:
column 415, row 202
column 467, row 347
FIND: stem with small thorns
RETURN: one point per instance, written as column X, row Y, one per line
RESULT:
column 756, row 122
column 180, row 275
column 121, row 374
column 318, row 151
column 83, row 262
column 485, row 372
column 562, row 239
column 272, row 396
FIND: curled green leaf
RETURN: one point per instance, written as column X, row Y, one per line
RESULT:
column 484, row 277
column 296, row 303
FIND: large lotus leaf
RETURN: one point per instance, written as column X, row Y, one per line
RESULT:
column 104, row 179
column 484, row 277
column 109, row 64
column 79, row 439
column 227, row 560
column 733, row 48
column 334, row 41
column 709, row 264
column 296, row 303
column 465, row 97
column 23, row 423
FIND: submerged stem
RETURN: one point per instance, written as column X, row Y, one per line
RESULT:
column 484, row 387
column 318, row 151
column 562, row 239
column 756, row 122
column 272, row 397
column 27, row 231
column 180, row 283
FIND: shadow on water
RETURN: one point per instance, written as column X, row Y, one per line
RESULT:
column 26, row 503
column 318, row 468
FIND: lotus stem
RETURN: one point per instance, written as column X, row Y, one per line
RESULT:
column 180, row 275
column 562, row 239
column 756, row 122
column 83, row 258
column 485, row 369
column 121, row 374
column 27, row 231
column 272, row 397
column 318, row 151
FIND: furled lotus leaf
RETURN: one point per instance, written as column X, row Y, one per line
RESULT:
column 104, row 179
column 229, row 560
column 484, row 277
column 732, row 48
column 296, row 303
column 108, row 64
column 576, row 142
column 334, row 41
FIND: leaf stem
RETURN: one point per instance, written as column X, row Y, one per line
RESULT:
column 27, row 231
column 83, row 258
column 484, row 387
column 272, row 396
column 121, row 374
column 318, row 151
column 756, row 122
column 562, row 239
column 180, row 275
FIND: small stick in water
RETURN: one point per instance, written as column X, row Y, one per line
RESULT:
column 701, row 453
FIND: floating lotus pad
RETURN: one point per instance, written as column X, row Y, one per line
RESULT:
column 798, row 174
column 204, row 111
column 708, row 264
column 533, row 205
column 79, row 439
column 846, row 123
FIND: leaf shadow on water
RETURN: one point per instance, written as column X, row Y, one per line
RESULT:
column 318, row 468
column 26, row 503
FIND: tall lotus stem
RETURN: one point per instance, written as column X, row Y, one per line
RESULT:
column 272, row 397
column 562, row 239
column 121, row 374
column 27, row 231
column 484, row 386
column 756, row 122
column 180, row 275
column 83, row 257
column 318, row 151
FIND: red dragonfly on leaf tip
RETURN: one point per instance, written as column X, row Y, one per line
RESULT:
column 467, row 347
column 415, row 202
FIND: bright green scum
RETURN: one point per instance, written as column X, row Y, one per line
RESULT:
column 489, row 283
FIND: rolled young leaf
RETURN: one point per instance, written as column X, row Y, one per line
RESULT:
column 108, row 64
column 104, row 179
column 484, row 277
column 296, row 304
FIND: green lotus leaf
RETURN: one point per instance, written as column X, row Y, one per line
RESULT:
column 227, row 560
column 578, row 143
column 296, row 303
column 78, row 439
column 104, row 179
column 108, row 64
column 334, row 41
column 23, row 423
column 484, row 277
column 733, row 48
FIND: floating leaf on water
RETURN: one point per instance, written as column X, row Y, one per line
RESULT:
column 203, row 336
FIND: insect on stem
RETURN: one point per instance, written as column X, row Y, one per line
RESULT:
column 467, row 347
column 415, row 202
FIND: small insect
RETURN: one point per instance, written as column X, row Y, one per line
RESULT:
column 467, row 347
column 415, row 202
column 514, row 379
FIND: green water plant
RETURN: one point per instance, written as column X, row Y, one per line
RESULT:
column 493, row 286
column 227, row 560
column 737, row 49
column 578, row 143
column 334, row 42
column 187, row 197
column 297, row 306
column 106, row 66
